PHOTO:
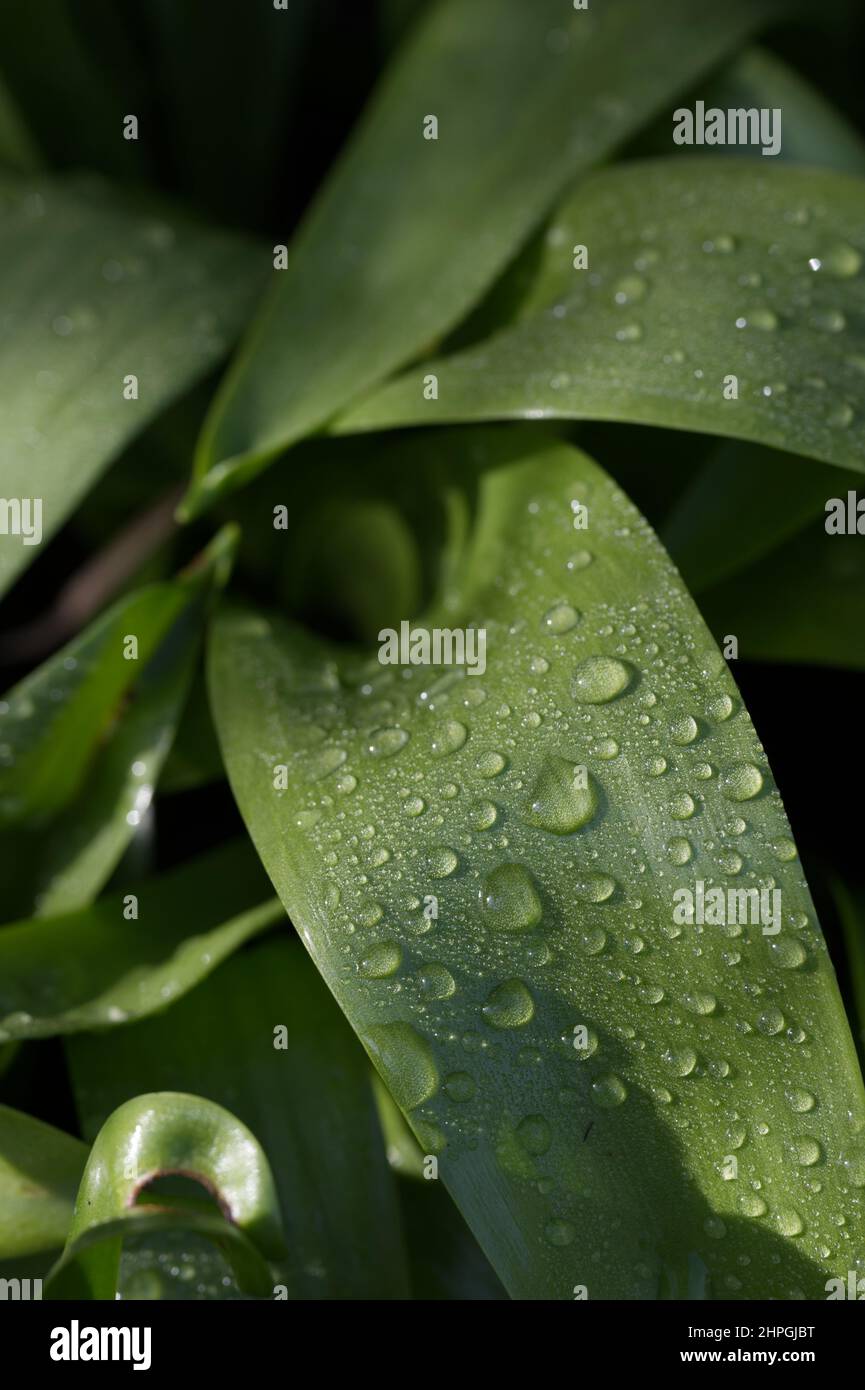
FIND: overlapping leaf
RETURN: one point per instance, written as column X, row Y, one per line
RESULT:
column 718, row 297
column 304, row 1093
column 40, row 1169
column 550, row 810
column 143, row 1139
column 409, row 231
column 94, row 290
column 131, row 955
column 85, row 735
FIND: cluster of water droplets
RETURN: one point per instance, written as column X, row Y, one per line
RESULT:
column 501, row 856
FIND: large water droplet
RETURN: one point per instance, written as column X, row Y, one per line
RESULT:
column 509, row 1005
column 600, row 678
column 560, row 618
column 381, row 960
column 407, row 1062
column 741, row 782
column 448, row 738
column 562, row 799
column 510, row 900
column 383, row 743
column 609, row 1091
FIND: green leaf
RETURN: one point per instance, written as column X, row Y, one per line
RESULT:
column 146, row 1138
column 698, row 271
column 759, row 496
column 309, row 1103
column 408, row 232
column 98, row 289
column 17, row 148
column 96, row 967
column 801, row 603
column 85, row 735
column 814, row 131
column 552, row 807
column 40, row 1169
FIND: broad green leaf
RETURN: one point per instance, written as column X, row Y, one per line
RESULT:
column 158, row 1134
column 85, row 735
column 801, row 603
column 308, row 1102
column 95, row 289
column 699, row 271
column 40, row 1169
column 408, row 232
column 550, row 810
column 98, row 966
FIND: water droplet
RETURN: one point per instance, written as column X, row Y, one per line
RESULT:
column 509, row 1005
column 741, row 782
column 656, row 767
column 629, row 333
column 323, row 762
column 459, row 1086
column 750, row 1204
column 840, row 261
column 807, row 1151
column 559, row 1232
column 561, row 618
column 800, row 1100
column 789, row 1222
column 594, row 888
column 682, row 806
column 383, row 743
column 681, row 1060
column 381, row 960
column 510, row 900
column 490, row 763
column 714, row 1227
column 784, row 849
column 630, row 290
column 436, row 981
column 534, row 1135
column 684, row 730
column 441, row 861
column 407, row 1062
column 599, row 679
column 699, row 1002
column 414, row 806
column 679, row 850
column 609, row 1091
column 762, row 319
column 720, row 708
column 558, row 801
column 580, row 560
column 448, row 738
column 787, row 952
column 482, row 815
column 770, row 1021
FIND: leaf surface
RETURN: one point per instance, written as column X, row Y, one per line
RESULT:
column 550, row 810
